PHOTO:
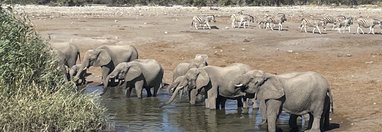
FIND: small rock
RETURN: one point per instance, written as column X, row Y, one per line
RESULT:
column 369, row 62
column 221, row 50
column 226, row 27
column 242, row 49
column 349, row 55
column 352, row 124
column 145, row 23
column 374, row 103
column 277, row 49
column 214, row 47
column 165, row 32
column 290, row 51
column 246, row 40
column 115, row 20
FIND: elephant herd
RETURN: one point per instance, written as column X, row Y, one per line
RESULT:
column 297, row 93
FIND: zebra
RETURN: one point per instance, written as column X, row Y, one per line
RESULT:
column 332, row 20
column 345, row 24
column 367, row 23
column 315, row 23
column 263, row 22
column 279, row 19
column 241, row 19
column 202, row 21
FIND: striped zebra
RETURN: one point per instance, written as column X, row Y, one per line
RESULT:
column 315, row 23
column 367, row 23
column 263, row 22
column 346, row 23
column 332, row 20
column 279, row 19
column 241, row 20
column 202, row 21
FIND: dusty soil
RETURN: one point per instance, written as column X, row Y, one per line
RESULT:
column 351, row 62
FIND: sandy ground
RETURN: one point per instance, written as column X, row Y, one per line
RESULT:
column 351, row 62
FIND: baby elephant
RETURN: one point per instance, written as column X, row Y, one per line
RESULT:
column 138, row 74
column 73, row 71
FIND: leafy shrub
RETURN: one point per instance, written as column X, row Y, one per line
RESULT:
column 34, row 95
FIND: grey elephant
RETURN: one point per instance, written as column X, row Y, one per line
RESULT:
column 297, row 93
column 216, row 82
column 138, row 74
column 107, row 57
column 181, row 69
column 74, row 70
column 67, row 55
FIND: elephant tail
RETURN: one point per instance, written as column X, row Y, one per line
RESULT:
column 331, row 100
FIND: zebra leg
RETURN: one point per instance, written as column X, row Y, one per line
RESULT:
column 349, row 28
column 361, row 30
column 280, row 27
column 318, row 30
column 196, row 26
column 271, row 25
column 305, row 29
column 370, row 30
column 208, row 25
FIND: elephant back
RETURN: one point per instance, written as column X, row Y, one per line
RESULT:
column 119, row 53
column 151, row 69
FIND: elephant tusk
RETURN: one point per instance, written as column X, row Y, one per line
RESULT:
column 239, row 85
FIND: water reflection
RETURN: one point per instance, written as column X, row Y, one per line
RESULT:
column 133, row 114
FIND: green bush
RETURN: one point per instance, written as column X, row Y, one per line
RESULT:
column 34, row 95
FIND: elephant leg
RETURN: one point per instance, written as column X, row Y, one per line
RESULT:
column 156, row 89
column 128, row 91
column 239, row 103
column 273, row 110
column 293, row 122
column 221, row 101
column 148, row 91
column 212, row 95
column 254, row 105
column 310, row 123
column 263, row 110
column 105, row 72
column 138, row 88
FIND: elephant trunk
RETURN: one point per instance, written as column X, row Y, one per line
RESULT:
column 105, row 85
column 83, row 67
column 173, row 96
column 193, row 96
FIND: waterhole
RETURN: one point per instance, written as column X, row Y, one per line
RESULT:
column 133, row 114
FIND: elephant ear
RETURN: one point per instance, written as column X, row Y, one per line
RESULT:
column 103, row 58
column 271, row 89
column 202, row 80
column 133, row 72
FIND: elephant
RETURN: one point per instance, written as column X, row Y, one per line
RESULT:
column 107, row 57
column 216, row 82
column 181, row 69
column 297, row 93
column 139, row 73
column 73, row 71
column 67, row 55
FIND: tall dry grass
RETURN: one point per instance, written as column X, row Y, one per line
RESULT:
column 34, row 95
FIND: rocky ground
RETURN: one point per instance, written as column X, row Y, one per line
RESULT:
column 351, row 62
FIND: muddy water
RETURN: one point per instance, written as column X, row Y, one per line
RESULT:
column 133, row 114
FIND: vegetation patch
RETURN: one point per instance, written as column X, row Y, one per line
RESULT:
column 34, row 95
